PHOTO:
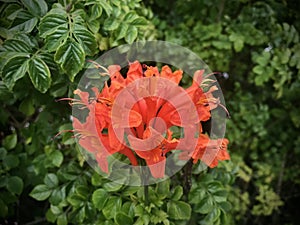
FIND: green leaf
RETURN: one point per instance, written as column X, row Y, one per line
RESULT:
column 96, row 180
column 212, row 216
column 54, row 27
column 14, row 69
column 57, row 158
column 122, row 31
column 226, row 206
column 99, row 198
column 10, row 141
column 258, row 70
column 112, row 206
column 70, row 55
column 28, row 23
column 37, row 8
column 15, row 45
column 86, row 39
column 130, row 17
column 3, row 153
column 107, row 7
column 177, row 193
column 11, row 161
column 82, row 191
column 15, row 185
column 123, row 219
column 112, row 186
column 220, row 196
column 111, row 23
column 27, row 107
column 62, row 219
column 57, row 196
column 141, row 21
column 285, row 56
column 131, row 35
column 54, row 21
column 179, row 210
column 96, row 11
column 3, row 209
column 205, row 205
column 214, row 186
column 139, row 211
column 51, row 180
column 48, row 58
column 263, row 59
column 40, row 192
column 163, row 188
column 57, row 38
column 76, row 200
column 39, row 74
column 238, row 45
column 50, row 216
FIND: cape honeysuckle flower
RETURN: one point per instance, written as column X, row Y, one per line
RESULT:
column 133, row 116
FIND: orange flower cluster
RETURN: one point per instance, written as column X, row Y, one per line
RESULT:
column 141, row 108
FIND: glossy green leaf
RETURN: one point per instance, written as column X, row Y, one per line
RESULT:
column 57, row 38
column 57, row 158
column 220, row 196
column 112, row 207
column 106, row 6
column 51, row 180
column 39, row 74
column 14, row 69
column 131, row 34
column 70, row 55
column 212, row 216
column 75, row 200
column 112, row 186
column 205, row 206
column 99, row 198
column 122, row 31
column 179, row 210
column 10, row 141
column 40, row 192
column 177, row 193
column 52, row 22
column 96, row 11
column 15, row 45
column 225, row 206
column 140, row 21
column 131, row 16
column 82, row 191
column 86, row 39
column 15, row 185
column 123, row 219
column 36, row 7
column 111, row 24
column 57, row 196
column 27, row 24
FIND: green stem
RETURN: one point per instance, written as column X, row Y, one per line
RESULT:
column 146, row 193
column 145, row 179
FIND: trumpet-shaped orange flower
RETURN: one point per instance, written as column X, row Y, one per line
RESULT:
column 134, row 113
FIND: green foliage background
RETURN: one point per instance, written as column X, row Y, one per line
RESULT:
column 44, row 48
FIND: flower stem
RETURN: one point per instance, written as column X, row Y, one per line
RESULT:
column 146, row 193
column 145, row 180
